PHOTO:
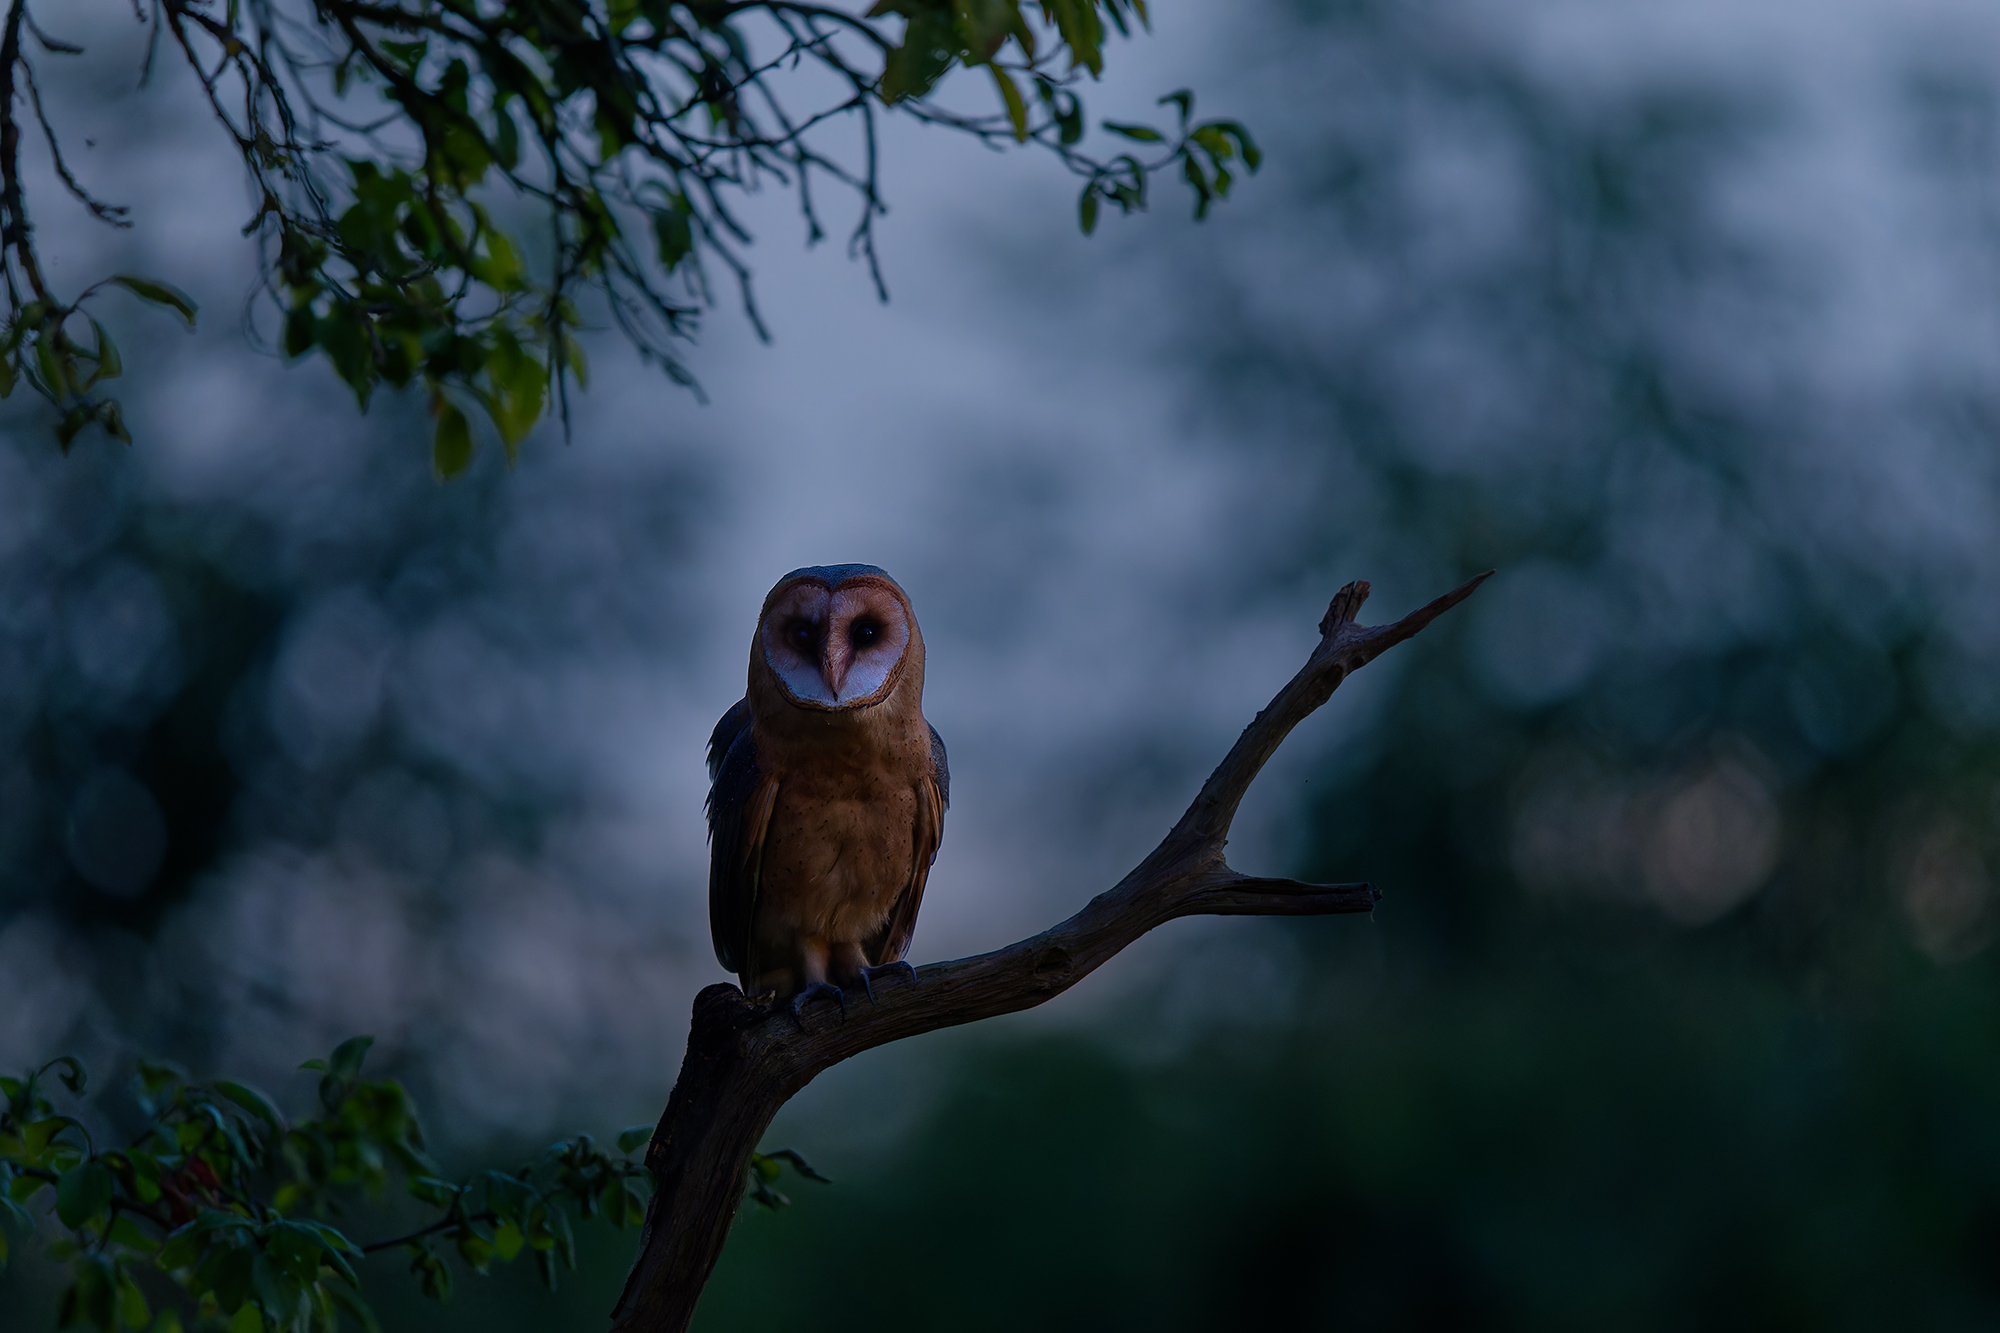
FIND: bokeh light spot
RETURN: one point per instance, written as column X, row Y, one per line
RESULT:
column 117, row 835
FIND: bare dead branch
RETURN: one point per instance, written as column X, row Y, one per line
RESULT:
column 745, row 1060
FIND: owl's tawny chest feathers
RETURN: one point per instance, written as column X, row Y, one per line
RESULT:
column 842, row 845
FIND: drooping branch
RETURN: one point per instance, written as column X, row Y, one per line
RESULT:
column 16, row 233
column 744, row 1061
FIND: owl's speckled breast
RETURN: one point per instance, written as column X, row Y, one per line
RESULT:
column 840, row 850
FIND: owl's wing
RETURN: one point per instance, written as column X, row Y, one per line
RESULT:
column 739, row 814
column 940, row 770
column 727, row 728
column 933, row 797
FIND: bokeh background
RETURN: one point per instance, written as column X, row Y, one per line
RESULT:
column 1680, row 1009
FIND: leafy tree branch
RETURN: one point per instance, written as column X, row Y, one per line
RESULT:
column 231, row 1217
column 446, row 189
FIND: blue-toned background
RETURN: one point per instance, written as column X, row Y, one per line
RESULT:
column 1680, row 1009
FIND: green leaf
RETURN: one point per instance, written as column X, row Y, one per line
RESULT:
column 506, row 137
column 92, row 1296
column 159, row 293
column 1081, row 31
column 799, row 1164
column 112, row 418
column 501, row 269
column 299, row 330
column 1068, row 112
column 930, row 46
column 37, row 1135
column 1087, row 207
column 673, row 232
column 1142, row 133
column 409, row 54
column 610, row 1200
column 1184, row 99
column 632, row 1136
column 255, row 1102
column 1211, row 140
column 248, row 1319
column 56, row 378
column 154, row 1078
column 475, row 1249
column 334, row 1249
column 335, row 1259
column 433, row 1191
column 1017, row 110
column 1253, row 157
column 145, row 1175
column 565, row 1239
column 109, row 364
column 451, row 450
column 82, row 1193
column 520, row 382
column 347, row 1056
column 1203, row 192
column 508, row 1240
column 276, row 1290
column 126, row 1232
column 435, row 1276
column 356, row 1309
column 132, row 1308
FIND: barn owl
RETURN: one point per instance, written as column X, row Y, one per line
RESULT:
column 827, row 791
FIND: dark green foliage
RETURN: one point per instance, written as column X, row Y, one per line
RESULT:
column 763, row 1173
column 233, row 1217
column 1534, row 1147
column 442, row 183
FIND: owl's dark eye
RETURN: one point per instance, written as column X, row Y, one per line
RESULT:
column 800, row 635
column 863, row 633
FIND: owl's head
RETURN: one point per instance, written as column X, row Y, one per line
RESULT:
column 837, row 636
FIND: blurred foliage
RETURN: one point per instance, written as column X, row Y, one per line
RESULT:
column 400, row 233
column 222, row 1203
column 187, row 679
column 1639, row 1136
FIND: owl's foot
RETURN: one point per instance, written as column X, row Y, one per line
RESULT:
column 868, row 975
column 818, row 990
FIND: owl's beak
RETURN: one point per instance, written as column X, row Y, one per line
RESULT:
column 835, row 658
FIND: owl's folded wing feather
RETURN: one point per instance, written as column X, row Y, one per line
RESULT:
column 727, row 728
column 933, row 798
column 940, row 773
column 739, row 814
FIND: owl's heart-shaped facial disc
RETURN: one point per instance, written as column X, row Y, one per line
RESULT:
column 836, row 647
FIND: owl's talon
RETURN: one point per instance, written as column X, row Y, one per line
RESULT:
column 817, row 989
column 868, row 975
